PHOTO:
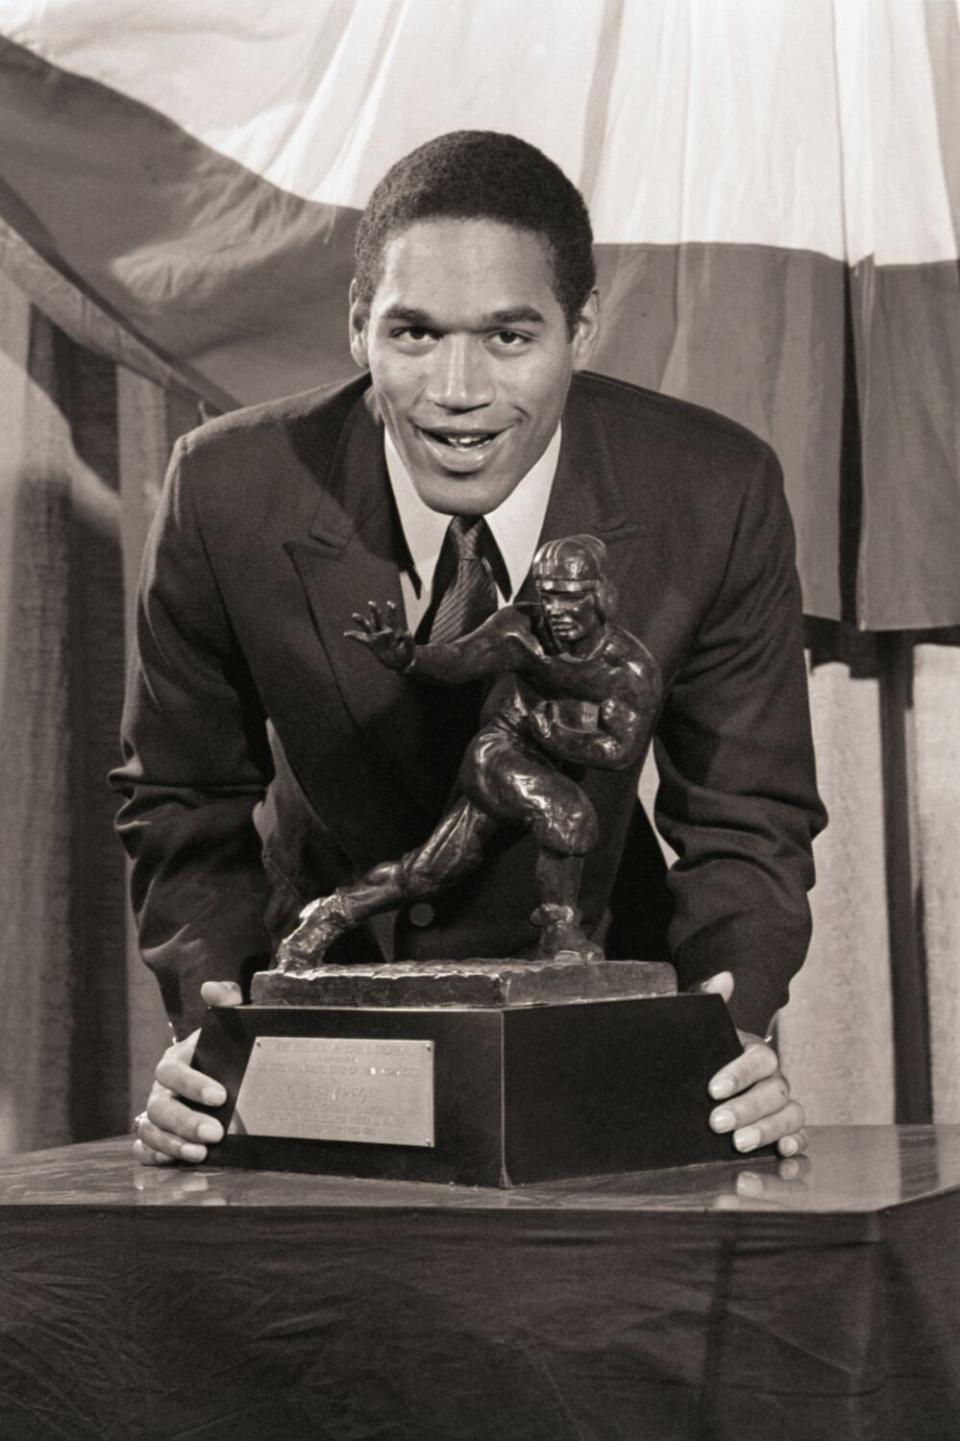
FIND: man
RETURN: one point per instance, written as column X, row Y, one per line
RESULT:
column 264, row 766
column 572, row 691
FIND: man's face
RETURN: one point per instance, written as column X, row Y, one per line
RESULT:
column 572, row 616
column 470, row 356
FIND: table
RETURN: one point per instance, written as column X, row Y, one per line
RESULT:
column 812, row 1299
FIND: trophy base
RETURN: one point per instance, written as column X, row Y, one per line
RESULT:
column 482, row 1095
column 478, row 982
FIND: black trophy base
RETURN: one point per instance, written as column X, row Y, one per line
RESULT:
column 505, row 1097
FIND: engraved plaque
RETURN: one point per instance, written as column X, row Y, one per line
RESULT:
column 338, row 1089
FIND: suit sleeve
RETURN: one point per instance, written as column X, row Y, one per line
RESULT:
column 738, row 797
column 196, row 761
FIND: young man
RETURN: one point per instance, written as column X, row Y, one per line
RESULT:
column 264, row 766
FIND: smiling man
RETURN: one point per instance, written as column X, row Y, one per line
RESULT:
column 265, row 765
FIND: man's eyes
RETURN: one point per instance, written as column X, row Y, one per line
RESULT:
column 420, row 336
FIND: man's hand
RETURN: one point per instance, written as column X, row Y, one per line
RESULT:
column 390, row 641
column 169, row 1130
column 755, row 1094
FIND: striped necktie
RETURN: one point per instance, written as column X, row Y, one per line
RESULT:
column 468, row 592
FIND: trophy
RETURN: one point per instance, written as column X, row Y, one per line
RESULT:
column 497, row 1071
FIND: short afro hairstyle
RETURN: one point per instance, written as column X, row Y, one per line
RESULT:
column 482, row 175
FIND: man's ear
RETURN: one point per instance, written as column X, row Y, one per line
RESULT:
column 587, row 331
column 359, row 315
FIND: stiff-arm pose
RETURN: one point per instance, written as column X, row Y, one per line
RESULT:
column 574, row 691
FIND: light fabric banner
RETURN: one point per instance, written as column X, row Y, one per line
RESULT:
column 774, row 185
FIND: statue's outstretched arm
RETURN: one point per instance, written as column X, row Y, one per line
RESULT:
column 485, row 651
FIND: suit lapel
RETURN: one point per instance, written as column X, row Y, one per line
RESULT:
column 587, row 496
column 352, row 557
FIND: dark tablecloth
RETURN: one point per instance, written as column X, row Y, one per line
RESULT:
column 818, row 1301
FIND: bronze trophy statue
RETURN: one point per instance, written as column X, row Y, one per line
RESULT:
column 572, row 690
column 492, row 1070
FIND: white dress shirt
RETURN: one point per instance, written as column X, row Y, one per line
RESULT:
column 515, row 526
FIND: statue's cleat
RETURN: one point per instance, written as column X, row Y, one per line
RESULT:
column 561, row 935
column 321, row 923
column 585, row 950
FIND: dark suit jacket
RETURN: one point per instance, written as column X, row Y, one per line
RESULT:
column 267, row 759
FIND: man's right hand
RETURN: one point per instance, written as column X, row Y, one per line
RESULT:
column 169, row 1130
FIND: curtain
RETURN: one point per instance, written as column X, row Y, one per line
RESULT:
column 774, row 186
column 83, row 450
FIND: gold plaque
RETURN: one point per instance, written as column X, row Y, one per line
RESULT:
column 337, row 1089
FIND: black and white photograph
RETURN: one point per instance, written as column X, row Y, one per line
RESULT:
column 480, row 720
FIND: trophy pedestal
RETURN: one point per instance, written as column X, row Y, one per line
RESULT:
column 497, row 1091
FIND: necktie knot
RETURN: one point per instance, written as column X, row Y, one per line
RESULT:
column 466, row 533
column 467, row 597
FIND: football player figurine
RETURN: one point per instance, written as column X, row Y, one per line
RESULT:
column 573, row 691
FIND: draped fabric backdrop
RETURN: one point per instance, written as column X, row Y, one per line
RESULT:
column 775, row 190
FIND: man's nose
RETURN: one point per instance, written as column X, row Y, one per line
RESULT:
column 461, row 378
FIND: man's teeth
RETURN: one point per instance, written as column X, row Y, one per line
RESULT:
column 464, row 442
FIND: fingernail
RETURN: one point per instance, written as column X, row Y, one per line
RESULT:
column 722, row 1086
column 788, row 1146
column 746, row 1140
column 214, row 1095
column 723, row 1120
column 209, row 1130
column 189, row 1152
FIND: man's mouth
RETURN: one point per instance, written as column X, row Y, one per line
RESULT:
column 463, row 440
column 461, row 450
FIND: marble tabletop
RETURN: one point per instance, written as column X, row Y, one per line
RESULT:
column 849, row 1170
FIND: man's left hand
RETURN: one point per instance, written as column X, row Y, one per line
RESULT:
column 756, row 1105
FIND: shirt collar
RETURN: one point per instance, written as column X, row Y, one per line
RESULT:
column 515, row 524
